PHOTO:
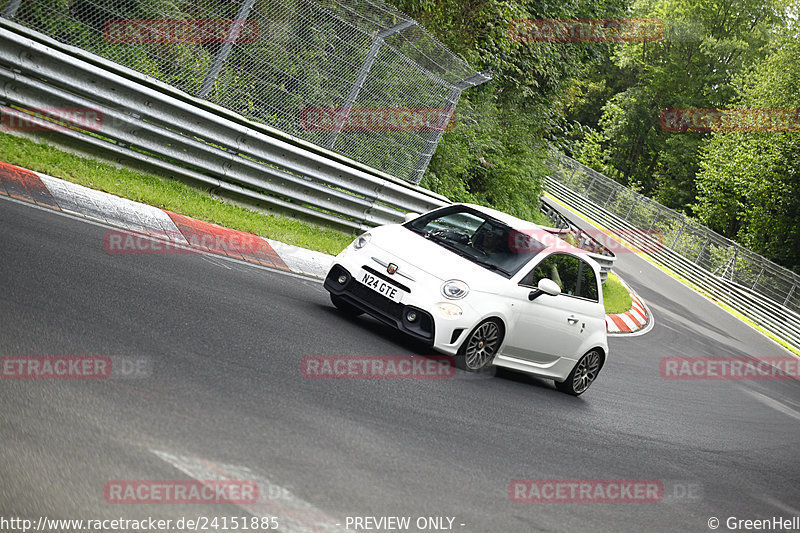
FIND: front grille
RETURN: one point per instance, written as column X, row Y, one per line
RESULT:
column 378, row 305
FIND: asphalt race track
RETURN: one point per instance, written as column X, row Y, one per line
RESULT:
column 224, row 394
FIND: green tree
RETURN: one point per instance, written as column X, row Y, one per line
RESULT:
column 495, row 153
column 749, row 182
column 704, row 45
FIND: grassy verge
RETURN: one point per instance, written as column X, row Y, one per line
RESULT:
column 616, row 297
column 168, row 194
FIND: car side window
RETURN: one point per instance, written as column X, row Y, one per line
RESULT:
column 588, row 287
column 573, row 275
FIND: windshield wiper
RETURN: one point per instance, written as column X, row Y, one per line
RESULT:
column 466, row 255
column 491, row 266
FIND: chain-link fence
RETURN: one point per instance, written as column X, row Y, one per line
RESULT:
column 696, row 243
column 354, row 76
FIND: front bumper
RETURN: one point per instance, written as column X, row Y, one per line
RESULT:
column 394, row 314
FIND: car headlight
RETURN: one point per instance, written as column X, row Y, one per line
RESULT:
column 449, row 310
column 362, row 241
column 454, row 289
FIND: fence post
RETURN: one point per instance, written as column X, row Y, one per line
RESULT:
column 733, row 262
column 591, row 183
column 432, row 140
column 610, row 196
column 758, row 278
column 703, row 249
column 569, row 180
column 222, row 56
column 788, row 296
column 430, row 143
column 680, row 232
column 361, row 77
column 10, row 11
column 635, row 201
column 653, row 223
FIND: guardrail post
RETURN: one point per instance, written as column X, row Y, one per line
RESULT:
column 10, row 11
column 225, row 50
column 361, row 77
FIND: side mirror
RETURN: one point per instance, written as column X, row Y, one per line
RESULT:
column 545, row 286
column 411, row 216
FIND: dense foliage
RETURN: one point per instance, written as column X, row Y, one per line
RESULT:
column 601, row 103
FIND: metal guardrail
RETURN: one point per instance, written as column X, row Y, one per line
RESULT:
column 361, row 67
column 588, row 192
column 144, row 121
column 192, row 140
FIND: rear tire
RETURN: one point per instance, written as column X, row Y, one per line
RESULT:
column 583, row 375
column 481, row 346
column 345, row 307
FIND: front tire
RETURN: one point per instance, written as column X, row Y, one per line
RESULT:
column 583, row 375
column 345, row 307
column 481, row 346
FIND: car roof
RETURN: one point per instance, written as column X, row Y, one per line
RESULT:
column 559, row 244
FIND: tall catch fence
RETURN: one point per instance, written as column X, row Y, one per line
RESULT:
column 357, row 77
column 764, row 291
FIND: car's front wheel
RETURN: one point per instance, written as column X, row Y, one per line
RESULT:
column 583, row 375
column 481, row 346
column 345, row 307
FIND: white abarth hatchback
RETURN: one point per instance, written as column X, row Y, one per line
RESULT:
column 483, row 286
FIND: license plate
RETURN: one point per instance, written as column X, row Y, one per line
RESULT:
column 385, row 288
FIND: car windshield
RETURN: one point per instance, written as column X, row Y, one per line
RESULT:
column 477, row 237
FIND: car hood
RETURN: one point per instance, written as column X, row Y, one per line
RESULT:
column 429, row 257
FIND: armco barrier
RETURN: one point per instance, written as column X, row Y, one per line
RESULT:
column 160, row 127
column 147, row 122
column 760, row 306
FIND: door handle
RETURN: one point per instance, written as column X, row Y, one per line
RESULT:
column 572, row 320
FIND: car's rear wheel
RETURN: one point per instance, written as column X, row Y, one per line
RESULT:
column 480, row 346
column 345, row 307
column 583, row 375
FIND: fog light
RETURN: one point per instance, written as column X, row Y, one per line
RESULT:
column 411, row 316
column 342, row 279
